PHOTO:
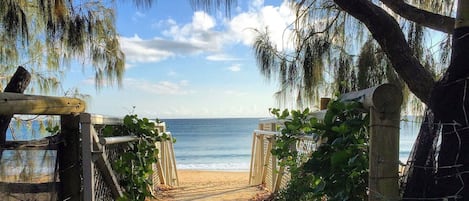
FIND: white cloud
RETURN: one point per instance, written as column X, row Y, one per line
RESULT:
column 257, row 4
column 160, row 88
column 204, row 35
column 196, row 37
column 275, row 18
column 200, row 32
column 137, row 15
column 235, row 68
column 137, row 50
column 221, row 57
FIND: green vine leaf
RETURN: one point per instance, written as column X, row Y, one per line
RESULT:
column 135, row 165
column 338, row 169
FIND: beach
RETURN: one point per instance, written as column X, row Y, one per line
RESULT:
column 212, row 186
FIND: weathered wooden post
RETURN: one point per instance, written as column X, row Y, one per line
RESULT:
column 384, row 103
column 17, row 84
column 68, row 154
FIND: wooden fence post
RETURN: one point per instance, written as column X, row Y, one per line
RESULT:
column 68, row 153
column 384, row 104
column 87, row 156
column 384, row 155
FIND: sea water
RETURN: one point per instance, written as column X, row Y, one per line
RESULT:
column 213, row 144
column 225, row 144
column 202, row 144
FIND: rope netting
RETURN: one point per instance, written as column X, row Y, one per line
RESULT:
column 438, row 166
column 28, row 175
column 102, row 189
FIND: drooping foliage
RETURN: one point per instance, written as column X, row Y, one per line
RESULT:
column 47, row 35
column 329, row 51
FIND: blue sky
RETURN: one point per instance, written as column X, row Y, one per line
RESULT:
column 182, row 63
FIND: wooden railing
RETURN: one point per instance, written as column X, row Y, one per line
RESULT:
column 97, row 152
column 383, row 103
column 265, row 168
column 84, row 156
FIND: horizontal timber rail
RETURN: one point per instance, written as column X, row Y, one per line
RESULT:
column 22, row 188
column 49, row 143
column 117, row 140
column 383, row 103
column 14, row 103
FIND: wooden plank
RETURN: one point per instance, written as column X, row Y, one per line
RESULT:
column 103, row 120
column 267, row 160
column 117, row 139
column 261, row 158
column 13, row 103
column 87, row 158
column 170, row 163
column 253, row 148
column 278, row 180
column 68, row 154
column 22, row 188
column 274, row 165
column 173, row 157
column 161, row 175
column 49, row 143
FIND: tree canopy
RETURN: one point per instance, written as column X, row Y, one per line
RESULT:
column 344, row 45
column 47, row 35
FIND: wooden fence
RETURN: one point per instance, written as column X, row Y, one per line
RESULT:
column 383, row 102
column 83, row 155
column 99, row 180
column 265, row 167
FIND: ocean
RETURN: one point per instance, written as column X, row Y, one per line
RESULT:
column 213, row 144
column 202, row 144
column 225, row 144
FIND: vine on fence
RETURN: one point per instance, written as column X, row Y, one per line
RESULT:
column 135, row 165
column 338, row 169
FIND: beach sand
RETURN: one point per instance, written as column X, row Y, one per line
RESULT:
column 212, row 186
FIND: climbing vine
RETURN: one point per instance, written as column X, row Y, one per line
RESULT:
column 338, row 169
column 135, row 164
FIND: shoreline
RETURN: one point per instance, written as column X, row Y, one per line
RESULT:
column 213, row 170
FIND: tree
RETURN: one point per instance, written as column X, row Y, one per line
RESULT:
column 45, row 36
column 328, row 34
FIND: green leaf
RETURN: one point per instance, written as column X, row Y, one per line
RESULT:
column 339, row 158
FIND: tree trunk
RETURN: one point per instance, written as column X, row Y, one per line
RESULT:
column 450, row 103
column 17, row 84
column 387, row 32
column 420, row 170
column 446, row 98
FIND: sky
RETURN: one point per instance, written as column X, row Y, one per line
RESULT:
column 184, row 63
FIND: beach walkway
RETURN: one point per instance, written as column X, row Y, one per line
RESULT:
column 212, row 186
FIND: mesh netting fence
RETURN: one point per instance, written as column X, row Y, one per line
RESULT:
column 102, row 190
column 28, row 175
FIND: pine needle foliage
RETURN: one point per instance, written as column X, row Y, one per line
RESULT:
column 332, row 52
column 47, row 35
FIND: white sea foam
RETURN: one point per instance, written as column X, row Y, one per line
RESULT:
column 215, row 166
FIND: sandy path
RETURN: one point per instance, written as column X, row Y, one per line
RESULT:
column 212, row 185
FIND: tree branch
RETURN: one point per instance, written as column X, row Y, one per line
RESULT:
column 387, row 32
column 422, row 17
